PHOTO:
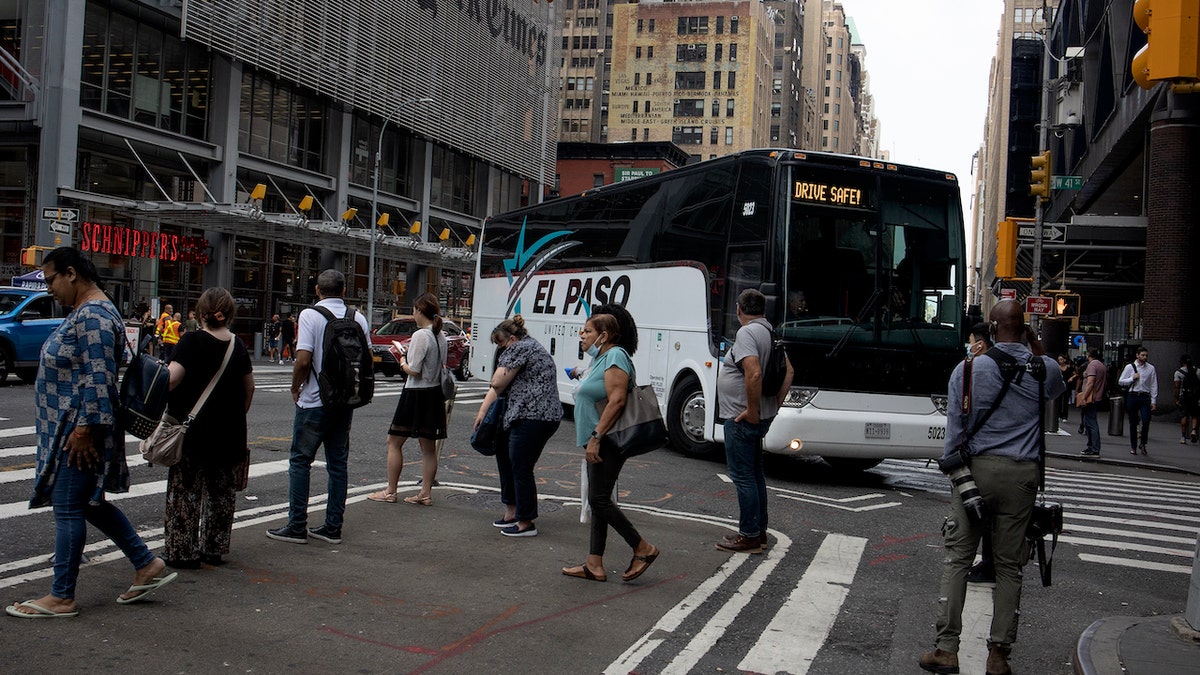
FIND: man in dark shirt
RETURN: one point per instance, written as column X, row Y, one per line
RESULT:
column 1004, row 454
column 287, row 332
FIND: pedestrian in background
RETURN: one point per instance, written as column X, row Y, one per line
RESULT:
column 287, row 338
column 170, row 336
column 80, row 443
column 1004, row 451
column 315, row 424
column 748, row 412
column 201, row 488
column 610, row 378
column 273, row 330
column 421, row 410
column 525, row 375
column 1187, row 398
column 1142, row 380
column 1095, row 383
column 192, row 322
column 1067, row 372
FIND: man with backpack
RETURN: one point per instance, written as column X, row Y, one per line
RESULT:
column 332, row 376
column 1187, row 399
column 748, row 390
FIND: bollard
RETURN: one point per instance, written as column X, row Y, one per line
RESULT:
column 1050, row 418
column 1116, row 416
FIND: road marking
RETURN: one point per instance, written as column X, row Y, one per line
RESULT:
column 685, row 661
column 1139, row 564
column 19, row 450
column 1124, row 546
column 976, row 628
column 1070, row 516
column 831, row 502
column 1186, row 541
column 17, row 431
column 799, row 629
column 1146, row 502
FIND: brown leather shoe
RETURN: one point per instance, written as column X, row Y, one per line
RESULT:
column 740, row 544
column 997, row 661
column 938, row 661
column 762, row 540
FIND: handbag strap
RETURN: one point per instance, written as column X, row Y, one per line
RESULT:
column 212, row 384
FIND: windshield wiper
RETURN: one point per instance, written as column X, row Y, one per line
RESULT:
column 868, row 306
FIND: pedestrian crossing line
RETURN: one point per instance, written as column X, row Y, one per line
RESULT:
column 799, row 629
column 17, row 431
column 1104, row 479
column 1124, row 546
column 674, row 618
column 1166, row 539
column 1071, row 516
column 976, row 628
column 1132, row 512
column 1139, row 564
column 852, row 509
column 18, row 450
column 706, row 638
column 1108, row 487
column 1148, row 502
column 16, row 509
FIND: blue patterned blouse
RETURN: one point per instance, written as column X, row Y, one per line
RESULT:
column 77, row 385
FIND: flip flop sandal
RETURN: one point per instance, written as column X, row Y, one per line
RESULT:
column 648, row 559
column 144, row 590
column 38, row 612
column 585, row 573
column 387, row 498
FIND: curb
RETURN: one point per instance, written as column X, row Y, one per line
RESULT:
column 1169, row 468
column 1100, row 644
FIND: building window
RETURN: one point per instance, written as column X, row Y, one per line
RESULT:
column 828, row 57
column 637, row 79
column 645, row 134
column 650, row 52
column 716, row 108
column 689, row 80
column 651, row 25
column 839, row 76
column 733, row 25
column 837, row 108
column 716, row 79
column 733, row 51
column 633, row 134
column 647, row 106
column 839, row 59
column 712, row 135
column 597, row 180
column 777, row 86
column 279, row 123
column 729, row 135
column 637, row 52
column 825, row 125
column 717, row 52
column 824, row 141
column 639, row 25
column 828, row 74
column 774, row 132
column 687, row 135
column 732, row 79
column 837, row 125
column 826, row 91
column 689, row 107
column 775, row 108
column 729, row 107
column 720, row 25
column 693, row 25
column 635, row 107
column 691, row 52
column 648, row 76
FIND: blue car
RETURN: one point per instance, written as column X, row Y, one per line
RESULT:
column 27, row 317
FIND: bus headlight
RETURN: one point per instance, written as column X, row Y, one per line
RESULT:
column 941, row 402
column 798, row 397
column 796, row 444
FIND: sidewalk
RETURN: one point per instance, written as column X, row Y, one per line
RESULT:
column 1123, row 645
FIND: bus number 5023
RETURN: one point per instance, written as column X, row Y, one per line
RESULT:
column 937, row 433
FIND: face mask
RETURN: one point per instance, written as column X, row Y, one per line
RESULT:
column 594, row 350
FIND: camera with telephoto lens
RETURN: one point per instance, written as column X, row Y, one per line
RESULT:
column 956, row 467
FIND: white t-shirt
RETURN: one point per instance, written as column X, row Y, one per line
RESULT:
column 309, row 338
column 427, row 357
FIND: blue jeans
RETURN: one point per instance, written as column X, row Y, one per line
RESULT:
column 744, row 457
column 1138, row 405
column 312, row 427
column 516, row 460
column 71, row 495
column 1092, row 427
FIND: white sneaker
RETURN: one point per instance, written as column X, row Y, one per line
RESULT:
column 1183, row 440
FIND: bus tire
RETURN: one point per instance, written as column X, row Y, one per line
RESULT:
column 685, row 419
column 852, row 464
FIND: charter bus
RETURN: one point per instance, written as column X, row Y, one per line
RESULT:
column 862, row 263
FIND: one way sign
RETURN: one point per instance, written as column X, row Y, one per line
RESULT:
column 60, row 214
column 1050, row 233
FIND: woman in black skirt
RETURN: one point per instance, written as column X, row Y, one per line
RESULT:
column 421, row 411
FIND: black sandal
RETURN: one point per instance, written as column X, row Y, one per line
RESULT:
column 648, row 559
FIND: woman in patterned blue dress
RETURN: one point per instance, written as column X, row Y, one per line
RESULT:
column 81, row 443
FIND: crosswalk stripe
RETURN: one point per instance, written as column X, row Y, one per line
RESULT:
column 17, row 451
column 1068, row 504
column 17, row 431
column 799, row 629
column 1124, row 546
column 1132, row 534
column 1139, row 564
column 976, row 628
column 718, row 625
column 1147, row 501
column 1070, row 516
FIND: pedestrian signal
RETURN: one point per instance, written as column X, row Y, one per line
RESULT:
column 1066, row 305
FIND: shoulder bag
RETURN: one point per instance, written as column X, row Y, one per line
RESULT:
column 640, row 428
column 164, row 446
column 445, row 377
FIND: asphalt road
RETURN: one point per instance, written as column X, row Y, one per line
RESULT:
column 850, row 585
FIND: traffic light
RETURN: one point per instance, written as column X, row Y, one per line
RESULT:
column 32, row 256
column 1172, row 50
column 1039, row 175
column 1006, row 249
column 1066, row 305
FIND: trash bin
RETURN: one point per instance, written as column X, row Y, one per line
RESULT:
column 1116, row 416
column 1050, row 419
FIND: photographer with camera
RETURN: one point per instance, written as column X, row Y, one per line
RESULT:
column 993, row 435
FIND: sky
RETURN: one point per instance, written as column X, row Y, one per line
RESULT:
column 929, row 62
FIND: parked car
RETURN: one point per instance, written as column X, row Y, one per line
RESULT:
column 27, row 317
column 400, row 329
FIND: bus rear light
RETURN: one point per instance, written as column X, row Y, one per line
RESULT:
column 941, row 402
column 798, row 397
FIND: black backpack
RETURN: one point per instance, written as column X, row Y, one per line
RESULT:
column 774, row 371
column 1189, row 387
column 347, row 375
column 144, row 392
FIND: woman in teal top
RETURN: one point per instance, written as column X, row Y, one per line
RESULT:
column 610, row 377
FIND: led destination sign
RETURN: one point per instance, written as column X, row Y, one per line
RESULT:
column 825, row 193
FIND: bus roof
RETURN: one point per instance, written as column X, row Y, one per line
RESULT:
column 774, row 154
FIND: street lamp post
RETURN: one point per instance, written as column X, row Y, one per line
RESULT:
column 375, row 206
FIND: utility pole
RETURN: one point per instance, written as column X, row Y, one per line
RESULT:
column 1035, row 284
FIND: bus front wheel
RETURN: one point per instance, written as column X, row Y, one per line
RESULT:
column 685, row 419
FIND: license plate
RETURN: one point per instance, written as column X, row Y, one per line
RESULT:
column 878, row 430
column 376, row 358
